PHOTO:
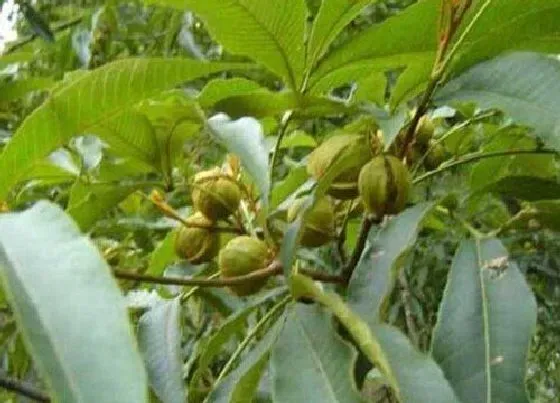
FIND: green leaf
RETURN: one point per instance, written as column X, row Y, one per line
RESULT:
column 68, row 305
column 244, row 138
column 220, row 88
column 16, row 89
column 240, row 384
column 271, row 32
column 371, row 89
column 505, row 139
column 374, row 277
column 90, row 202
column 332, row 17
column 159, row 337
column 37, row 22
column 298, row 138
column 393, row 43
column 526, row 188
column 413, row 376
column 524, row 85
column 310, row 362
column 163, row 255
column 89, row 100
column 510, row 25
column 284, row 188
column 485, row 324
column 131, row 135
column 412, row 80
column 235, row 324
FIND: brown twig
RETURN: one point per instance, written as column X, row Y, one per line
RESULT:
column 22, row 388
column 367, row 223
column 274, row 269
column 451, row 17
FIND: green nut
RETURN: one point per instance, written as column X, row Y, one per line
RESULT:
column 241, row 256
column 352, row 146
column 215, row 195
column 424, row 130
column 384, row 185
column 197, row 245
column 319, row 225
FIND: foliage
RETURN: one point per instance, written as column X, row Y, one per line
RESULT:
column 121, row 122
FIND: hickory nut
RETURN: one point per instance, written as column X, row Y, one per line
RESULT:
column 197, row 245
column 244, row 255
column 216, row 197
column 319, row 223
column 384, row 185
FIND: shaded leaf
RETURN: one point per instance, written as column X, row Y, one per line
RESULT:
column 89, row 100
column 90, row 202
column 323, row 362
column 159, row 337
column 526, row 188
column 36, row 21
column 220, row 88
column 510, row 25
column 16, row 89
column 234, row 325
column 52, row 296
column 163, row 255
column 240, row 384
column 374, row 277
column 485, row 324
column 413, row 376
column 524, row 85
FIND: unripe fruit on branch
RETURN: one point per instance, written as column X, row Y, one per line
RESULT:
column 244, row 255
column 435, row 156
column 384, row 185
column 424, row 130
column 355, row 147
column 215, row 195
column 319, row 224
column 197, row 245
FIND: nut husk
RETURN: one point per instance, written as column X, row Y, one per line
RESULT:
column 216, row 197
column 424, row 130
column 356, row 147
column 319, row 225
column 244, row 255
column 384, row 185
column 435, row 156
column 197, row 245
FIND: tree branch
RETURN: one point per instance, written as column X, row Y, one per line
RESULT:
column 274, row 269
column 22, row 388
column 347, row 271
column 470, row 158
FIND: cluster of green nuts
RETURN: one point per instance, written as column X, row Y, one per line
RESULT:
column 215, row 197
column 382, row 181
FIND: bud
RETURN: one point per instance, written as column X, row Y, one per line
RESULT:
column 195, row 244
column 384, row 185
column 319, row 224
column 241, row 256
column 215, row 196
